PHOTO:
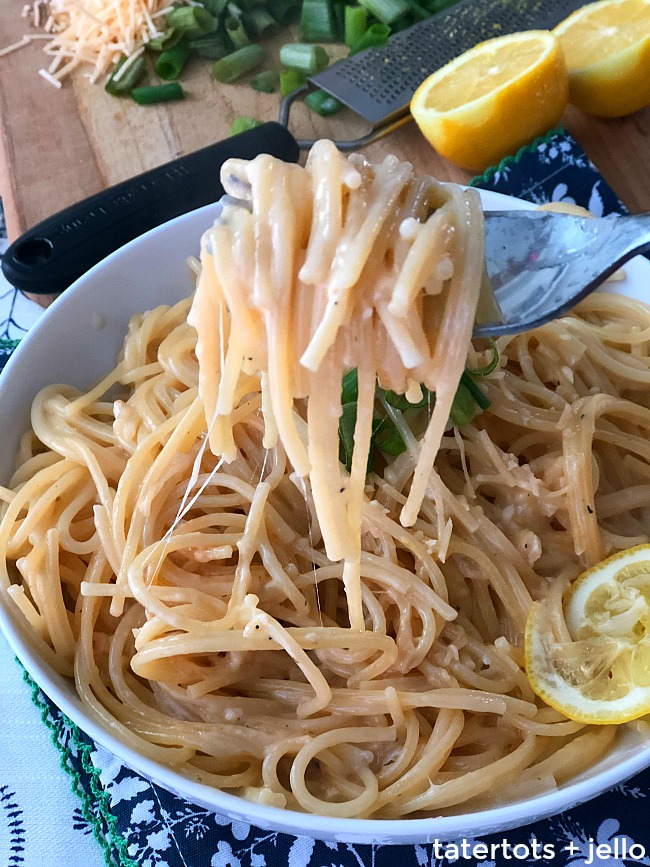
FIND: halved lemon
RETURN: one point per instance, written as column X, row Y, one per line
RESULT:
column 600, row 673
column 494, row 98
column 607, row 50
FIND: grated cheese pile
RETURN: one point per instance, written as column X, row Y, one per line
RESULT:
column 98, row 33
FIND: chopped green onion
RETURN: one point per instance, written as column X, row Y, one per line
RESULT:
column 167, row 40
column 290, row 80
column 235, row 65
column 387, row 438
column 260, row 21
column 418, row 11
column 347, row 423
column 171, row 62
column 266, row 82
column 243, row 124
column 463, row 407
column 303, row 57
column 284, row 11
column 402, row 23
column 375, row 35
column 401, row 402
column 214, row 7
column 236, row 32
column 439, row 5
column 317, row 22
column 158, row 93
column 210, row 46
column 121, row 83
column 338, row 10
column 468, row 402
column 491, row 365
column 386, row 11
column 350, row 387
column 191, row 21
column 397, row 401
column 323, row 103
column 355, row 24
column 481, row 399
column 240, row 8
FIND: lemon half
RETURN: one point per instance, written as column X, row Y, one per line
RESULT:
column 602, row 674
column 494, row 98
column 607, row 49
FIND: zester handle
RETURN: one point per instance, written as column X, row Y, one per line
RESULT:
column 46, row 259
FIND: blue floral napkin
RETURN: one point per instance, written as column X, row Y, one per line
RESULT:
column 553, row 169
column 139, row 824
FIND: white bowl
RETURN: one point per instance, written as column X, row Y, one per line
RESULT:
column 76, row 341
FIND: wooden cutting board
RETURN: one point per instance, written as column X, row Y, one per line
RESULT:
column 59, row 146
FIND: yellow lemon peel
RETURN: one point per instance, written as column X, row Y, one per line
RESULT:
column 607, row 50
column 493, row 99
column 595, row 667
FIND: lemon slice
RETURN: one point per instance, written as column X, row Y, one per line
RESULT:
column 493, row 99
column 602, row 674
column 607, row 49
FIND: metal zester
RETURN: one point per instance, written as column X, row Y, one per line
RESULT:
column 378, row 83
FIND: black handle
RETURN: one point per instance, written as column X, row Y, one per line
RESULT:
column 49, row 257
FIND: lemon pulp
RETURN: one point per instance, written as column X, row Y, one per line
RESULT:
column 607, row 49
column 595, row 666
column 493, row 99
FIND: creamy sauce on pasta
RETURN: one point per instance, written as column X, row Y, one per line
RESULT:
column 232, row 602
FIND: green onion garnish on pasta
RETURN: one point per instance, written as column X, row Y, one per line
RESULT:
column 469, row 401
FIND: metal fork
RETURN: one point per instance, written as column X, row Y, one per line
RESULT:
column 540, row 264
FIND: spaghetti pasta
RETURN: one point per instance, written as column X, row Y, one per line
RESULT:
column 183, row 541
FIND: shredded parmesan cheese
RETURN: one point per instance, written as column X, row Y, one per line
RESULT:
column 49, row 77
column 24, row 40
column 97, row 33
